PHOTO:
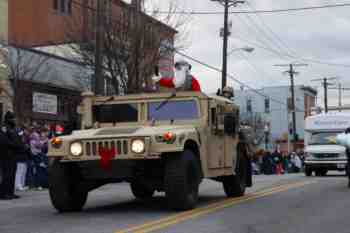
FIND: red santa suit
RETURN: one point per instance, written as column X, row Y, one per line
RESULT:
column 181, row 80
column 169, row 83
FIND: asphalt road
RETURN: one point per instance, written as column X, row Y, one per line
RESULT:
column 282, row 204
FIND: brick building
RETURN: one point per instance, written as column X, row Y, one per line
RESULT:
column 45, row 22
column 42, row 23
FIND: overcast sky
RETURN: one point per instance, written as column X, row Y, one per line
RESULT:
column 321, row 34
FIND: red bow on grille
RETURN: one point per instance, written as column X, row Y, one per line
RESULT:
column 106, row 156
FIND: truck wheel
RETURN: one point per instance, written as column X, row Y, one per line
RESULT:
column 308, row 171
column 234, row 186
column 318, row 172
column 140, row 191
column 323, row 172
column 182, row 179
column 63, row 188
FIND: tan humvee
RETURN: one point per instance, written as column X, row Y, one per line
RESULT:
column 163, row 142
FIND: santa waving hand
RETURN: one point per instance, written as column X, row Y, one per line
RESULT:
column 182, row 79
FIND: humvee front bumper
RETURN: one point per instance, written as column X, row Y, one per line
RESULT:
column 122, row 148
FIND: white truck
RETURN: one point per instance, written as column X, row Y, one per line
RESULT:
column 321, row 152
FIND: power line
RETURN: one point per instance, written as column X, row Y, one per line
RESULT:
column 206, row 65
column 274, row 35
column 256, row 11
column 229, row 76
column 278, row 53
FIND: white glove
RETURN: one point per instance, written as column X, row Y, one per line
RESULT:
column 156, row 78
column 343, row 139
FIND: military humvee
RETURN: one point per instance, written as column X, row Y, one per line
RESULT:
column 166, row 142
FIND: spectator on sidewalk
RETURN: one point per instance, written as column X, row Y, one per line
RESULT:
column 285, row 163
column 13, row 150
column 277, row 158
column 22, row 163
column 296, row 161
column 36, row 147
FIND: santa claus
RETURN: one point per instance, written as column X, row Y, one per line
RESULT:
column 182, row 80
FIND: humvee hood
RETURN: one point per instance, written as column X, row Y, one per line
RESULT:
column 127, row 131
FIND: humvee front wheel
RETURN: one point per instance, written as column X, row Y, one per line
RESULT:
column 141, row 191
column 234, row 185
column 64, row 191
column 182, row 179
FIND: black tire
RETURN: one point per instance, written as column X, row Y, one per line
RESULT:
column 323, row 172
column 63, row 188
column 318, row 173
column 182, row 179
column 235, row 185
column 140, row 191
column 308, row 171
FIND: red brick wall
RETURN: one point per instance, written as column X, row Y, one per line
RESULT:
column 35, row 22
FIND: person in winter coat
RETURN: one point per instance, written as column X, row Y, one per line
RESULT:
column 13, row 149
column 37, row 146
column 20, row 183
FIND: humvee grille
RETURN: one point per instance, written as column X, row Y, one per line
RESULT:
column 92, row 147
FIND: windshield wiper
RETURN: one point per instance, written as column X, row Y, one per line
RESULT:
column 164, row 102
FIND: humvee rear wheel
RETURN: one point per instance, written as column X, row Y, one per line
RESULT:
column 234, row 186
column 63, row 188
column 308, row 171
column 182, row 179
column 141, row 191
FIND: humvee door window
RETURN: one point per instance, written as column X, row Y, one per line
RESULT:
column 173, row 110
column 111, row 113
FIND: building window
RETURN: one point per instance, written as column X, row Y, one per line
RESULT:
column 63, row 6
column 267, row 105
column 249, row 105
column 55, row 4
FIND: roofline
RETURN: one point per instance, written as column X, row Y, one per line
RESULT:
column 303, row 87
column 124, row 4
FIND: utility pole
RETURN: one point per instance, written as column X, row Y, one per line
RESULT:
column 227, row 4
column 98, row 82
column 291, row 73
column 325, row 84
column 340, row 97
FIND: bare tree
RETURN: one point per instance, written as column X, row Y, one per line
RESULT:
column 20, row 65
column 133, row 41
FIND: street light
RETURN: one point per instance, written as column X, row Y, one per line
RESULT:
column 245, row 49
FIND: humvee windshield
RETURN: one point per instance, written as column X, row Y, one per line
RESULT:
column 173, row 110
column 116, row 113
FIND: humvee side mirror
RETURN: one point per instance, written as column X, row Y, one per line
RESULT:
column 230, row 124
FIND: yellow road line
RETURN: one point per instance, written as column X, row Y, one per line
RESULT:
column 177, row 218
column 189, row 212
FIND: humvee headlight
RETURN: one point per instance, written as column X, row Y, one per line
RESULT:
column 138, row 146
column 76, row 148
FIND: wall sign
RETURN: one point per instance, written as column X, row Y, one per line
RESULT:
column 44, row 103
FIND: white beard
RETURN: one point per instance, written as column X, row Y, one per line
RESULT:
column 180, row 77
